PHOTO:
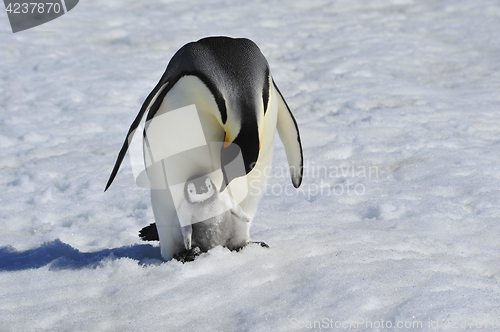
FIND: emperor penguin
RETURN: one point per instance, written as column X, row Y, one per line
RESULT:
column 214, row 112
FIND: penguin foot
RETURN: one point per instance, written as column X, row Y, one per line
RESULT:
column 187, row 255
column 149, row 233
column 262, row 244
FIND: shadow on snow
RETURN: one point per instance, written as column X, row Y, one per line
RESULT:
column 62, row 256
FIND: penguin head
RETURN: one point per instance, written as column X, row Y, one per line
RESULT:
column 199, row 189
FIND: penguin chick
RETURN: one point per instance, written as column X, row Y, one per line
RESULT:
column 209, row 218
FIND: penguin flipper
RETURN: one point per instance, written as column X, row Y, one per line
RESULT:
column 149, row 233
column 148, row 103
column 289, row 135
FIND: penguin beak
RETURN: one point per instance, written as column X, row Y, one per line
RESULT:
column 203, row 189
column 246, row 145
column 227, row 142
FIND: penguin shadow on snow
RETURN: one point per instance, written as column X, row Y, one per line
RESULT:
column 61, row 256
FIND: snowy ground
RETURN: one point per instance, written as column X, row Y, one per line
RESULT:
column 397, row 221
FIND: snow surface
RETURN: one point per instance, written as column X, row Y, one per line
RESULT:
column 397, row 219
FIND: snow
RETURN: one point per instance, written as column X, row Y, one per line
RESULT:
column 397, row 220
